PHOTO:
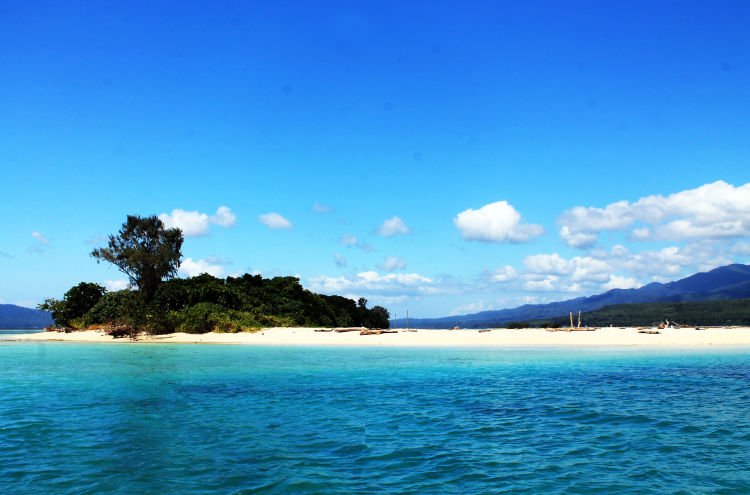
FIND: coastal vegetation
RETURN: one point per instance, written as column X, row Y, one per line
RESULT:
column 706, row 313
column 159, row 302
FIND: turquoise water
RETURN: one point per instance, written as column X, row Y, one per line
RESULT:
column 184, row 419
column 8, row 331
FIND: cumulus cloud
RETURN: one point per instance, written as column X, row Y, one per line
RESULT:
column 371, row 282
column 115, row 285
column 618, row 282
column 274, row 221
column 713, row 211
column 504, row 274
column 548, row 263
column 393, row 226
column 618, row 267
column 495, row 222
column 195, row 223
column 224, row 217
column 548, row 283
column 391, row 263
column 191, row 268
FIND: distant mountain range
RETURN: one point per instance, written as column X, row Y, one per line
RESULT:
column 726, row 282
column 12, row 316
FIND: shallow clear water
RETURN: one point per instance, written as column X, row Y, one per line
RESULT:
column 183, row 419
column 11, row 331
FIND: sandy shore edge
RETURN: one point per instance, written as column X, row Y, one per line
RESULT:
column 683, row 337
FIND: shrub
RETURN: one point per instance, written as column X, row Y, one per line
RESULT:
column 517, row 324
column 122, row 306
column 208, row 317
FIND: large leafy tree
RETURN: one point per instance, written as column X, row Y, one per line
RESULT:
column 144, row 250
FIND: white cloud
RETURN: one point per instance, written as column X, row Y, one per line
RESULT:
column 391, row 263
column 274, row 221
column 548, row 263
column 618, row 282
column 713, row 211
column 578, row 269
column 40, row 238
column 352, row 241
column 340, row 260
column 191, row 268
column 393, row 226
column 642, row 233
column 224, row 217
column 371, row 282
column 548, row 283
column 577, row 239
column 471, row 308
column 618, row 267
column 741, row 248
column 495, row 222
column 320, row 208
column 504, row 274
column 195, row 223
column 115, row 285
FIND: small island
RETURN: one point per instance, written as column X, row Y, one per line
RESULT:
column 159, row 303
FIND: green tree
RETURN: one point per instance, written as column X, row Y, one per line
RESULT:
column 57, row 308
column 379, row 317
column 144, row 250
column 76, row 303
column 81, row 298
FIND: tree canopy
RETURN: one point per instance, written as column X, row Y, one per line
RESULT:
column 75, row 304
column 144, row 250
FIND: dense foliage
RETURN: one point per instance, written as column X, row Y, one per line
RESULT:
column 78, row 301
column 725, row 312
column 144, row 250
column 206, row 303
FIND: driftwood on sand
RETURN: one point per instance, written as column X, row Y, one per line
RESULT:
column 376, row 332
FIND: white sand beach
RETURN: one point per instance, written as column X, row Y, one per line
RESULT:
column 671, row 337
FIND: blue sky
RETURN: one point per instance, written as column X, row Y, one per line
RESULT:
column 433, row 156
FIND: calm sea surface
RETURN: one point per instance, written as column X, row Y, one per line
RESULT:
column 188, row 419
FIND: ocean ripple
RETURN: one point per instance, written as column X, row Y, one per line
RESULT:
column 90, row 419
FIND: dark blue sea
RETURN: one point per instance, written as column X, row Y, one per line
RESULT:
column 199, row 419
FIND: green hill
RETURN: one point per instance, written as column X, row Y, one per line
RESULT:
column 727, row 312
column 12, row 316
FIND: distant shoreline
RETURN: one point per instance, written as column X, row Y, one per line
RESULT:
column 683, row 337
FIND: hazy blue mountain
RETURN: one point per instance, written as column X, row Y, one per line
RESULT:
column 726, row 282
column 12, row 316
